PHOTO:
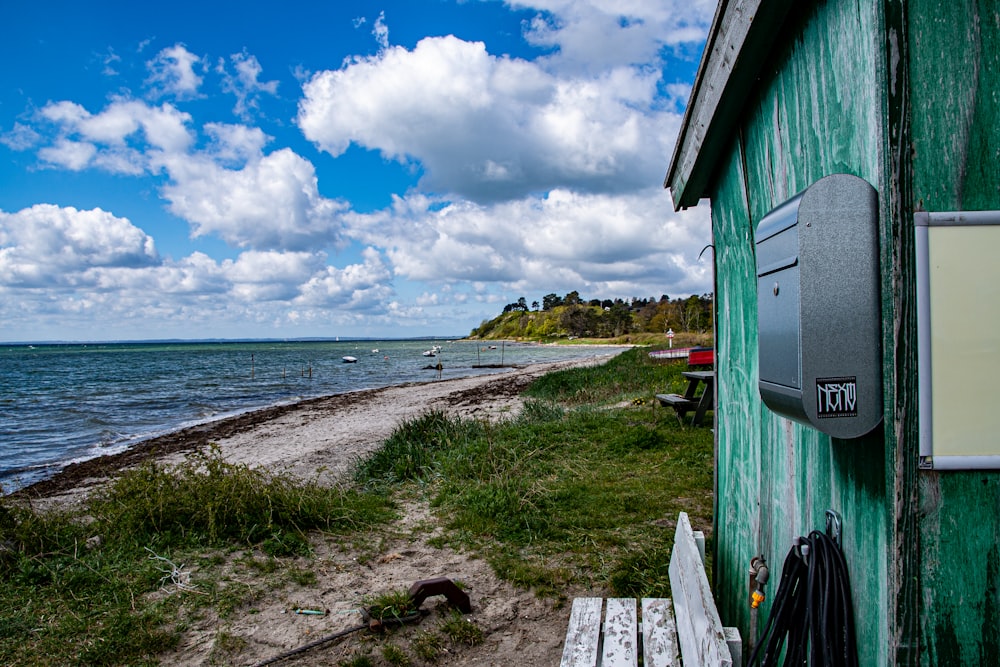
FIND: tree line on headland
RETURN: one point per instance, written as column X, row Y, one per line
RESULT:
column 571, row 316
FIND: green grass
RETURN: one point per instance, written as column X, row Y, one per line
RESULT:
column 78, row 583
column 390, row 606
column 571, row 491
column 625, row 377
column 394, row 655
column 586, row 489
column 461, row 630
column 575, row 492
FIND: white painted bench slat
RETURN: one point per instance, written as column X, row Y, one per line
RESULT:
column 659, row 634
column 580, row 649
column 621, row 634
column 699, row 628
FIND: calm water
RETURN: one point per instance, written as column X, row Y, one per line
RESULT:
column 65, row 403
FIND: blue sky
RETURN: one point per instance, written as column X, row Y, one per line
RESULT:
column 378, row 169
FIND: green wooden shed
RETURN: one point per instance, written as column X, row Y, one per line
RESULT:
column 903, row 94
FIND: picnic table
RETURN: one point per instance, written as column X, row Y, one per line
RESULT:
column 691, row 399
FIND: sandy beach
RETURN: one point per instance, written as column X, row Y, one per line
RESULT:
column 321, row 438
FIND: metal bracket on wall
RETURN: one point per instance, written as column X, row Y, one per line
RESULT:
column 834, row 526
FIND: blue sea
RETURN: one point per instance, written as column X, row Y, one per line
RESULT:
column 64, row 403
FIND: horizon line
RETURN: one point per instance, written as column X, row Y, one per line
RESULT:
column 302, row 339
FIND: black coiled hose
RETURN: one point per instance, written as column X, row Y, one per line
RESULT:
column 812, row 609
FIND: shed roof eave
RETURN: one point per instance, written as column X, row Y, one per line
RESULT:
column 742, row 34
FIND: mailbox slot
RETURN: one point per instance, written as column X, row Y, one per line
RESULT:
column 778, row 300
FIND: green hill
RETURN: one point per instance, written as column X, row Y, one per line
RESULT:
column 643, row 321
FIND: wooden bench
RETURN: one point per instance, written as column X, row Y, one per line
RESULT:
column 689, row 627
column 691, row 399
column 678, row 402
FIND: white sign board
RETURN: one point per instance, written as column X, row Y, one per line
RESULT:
column 958, row 323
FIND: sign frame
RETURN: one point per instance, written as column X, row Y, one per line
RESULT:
column 958, row 339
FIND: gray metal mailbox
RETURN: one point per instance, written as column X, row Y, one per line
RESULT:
column 819, row 309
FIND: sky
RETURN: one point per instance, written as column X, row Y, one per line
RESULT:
column 351, row 168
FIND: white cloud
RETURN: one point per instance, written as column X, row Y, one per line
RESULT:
column 172, row 72
column 229, row 189
column 356, row 286
column 271, row 202
column 489, row 128
column 72, row 155
column 269, row 275
column 428, row 299
column 196, row 274
column 20, row 138
column 567, row 240
column 68, row 265
column 235, row 144
column 109, row 59
column 46, row 245
column 381, row 31
column 116, row 139
column 66, row 113
column 594, row 35
column 245, row 85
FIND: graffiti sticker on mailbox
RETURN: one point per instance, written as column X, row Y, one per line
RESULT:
column 836, row 397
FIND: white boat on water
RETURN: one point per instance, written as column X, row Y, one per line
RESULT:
column 350, row 360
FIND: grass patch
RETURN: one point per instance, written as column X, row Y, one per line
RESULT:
column 624, row 377
column 394, row 655
column 428, row 645
column 573, row 490
column 461, row 630
column 409, row 452
column 78, row 583
column 391, row 606
column 208, row 502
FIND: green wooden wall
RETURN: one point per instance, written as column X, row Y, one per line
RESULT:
column 955, row 99
column 905, row 94
column 820, row 109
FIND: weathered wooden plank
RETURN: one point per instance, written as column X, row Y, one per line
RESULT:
column 742, row 30
column 583, row 633
column 676, row 400
column 699, row 628
column 735, row 643
column 738, row 445
column 680, row 404
column 659, row 634
column 621, row 634
column 699, row 541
